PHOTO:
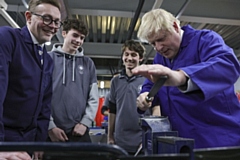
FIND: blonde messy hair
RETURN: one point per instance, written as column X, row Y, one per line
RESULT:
column 154, row 21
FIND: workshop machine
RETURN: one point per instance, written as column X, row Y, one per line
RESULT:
column 158, row 138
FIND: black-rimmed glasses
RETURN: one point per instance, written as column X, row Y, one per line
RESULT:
column 47, row 20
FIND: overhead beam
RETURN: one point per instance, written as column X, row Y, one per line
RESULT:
column 131, row 15
column 5, row 15
column 157, row 4
column 103, row 13
column 8, row 18
column 220, row 21
column 183, row 8
column 126, row 14
column 3, row 4
column 108, row 50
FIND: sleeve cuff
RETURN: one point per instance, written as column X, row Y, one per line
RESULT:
column 189, row 86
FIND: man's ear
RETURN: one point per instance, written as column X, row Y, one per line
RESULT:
column 28, row 16
column 140, row 60
column 176, row 27
column 64, row 33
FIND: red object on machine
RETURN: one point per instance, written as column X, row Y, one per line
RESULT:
column 99, row 117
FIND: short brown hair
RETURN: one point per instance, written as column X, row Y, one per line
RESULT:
column 32, row 4
column 134, row 46
column 76, row 24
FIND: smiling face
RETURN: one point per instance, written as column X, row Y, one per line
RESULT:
column 165, row 42
column 73, row 39
column 131, row 59
column 42, row 32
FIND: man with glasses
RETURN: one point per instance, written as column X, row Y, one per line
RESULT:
column 47, row 20
column 26, row 75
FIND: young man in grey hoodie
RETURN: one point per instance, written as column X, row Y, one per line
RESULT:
column 75, row 89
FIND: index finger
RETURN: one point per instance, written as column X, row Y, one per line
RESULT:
column 64, row 136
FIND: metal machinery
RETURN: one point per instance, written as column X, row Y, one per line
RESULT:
column 67, row 151
column 159, row 143
column 158, row 138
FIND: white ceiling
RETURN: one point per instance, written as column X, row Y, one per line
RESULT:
column 111, row 22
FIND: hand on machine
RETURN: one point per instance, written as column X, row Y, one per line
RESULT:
column 155, row 88
column 145, row 99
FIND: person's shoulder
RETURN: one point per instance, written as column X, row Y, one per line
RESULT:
column 208, row 35
column 5, row 30
column 190, row 30
column 206, row 32
column 10, row 36
column 115, row 79
column 52, row 53
column 89, row 61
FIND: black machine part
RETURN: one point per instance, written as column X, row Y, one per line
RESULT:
column 155, row 88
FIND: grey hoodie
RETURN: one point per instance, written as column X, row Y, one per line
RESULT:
column 75, row 89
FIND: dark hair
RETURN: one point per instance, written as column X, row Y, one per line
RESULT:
column 134, row 46
column 32, row 4
column 76, row 24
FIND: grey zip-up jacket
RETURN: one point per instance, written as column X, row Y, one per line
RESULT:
column 75, row 90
